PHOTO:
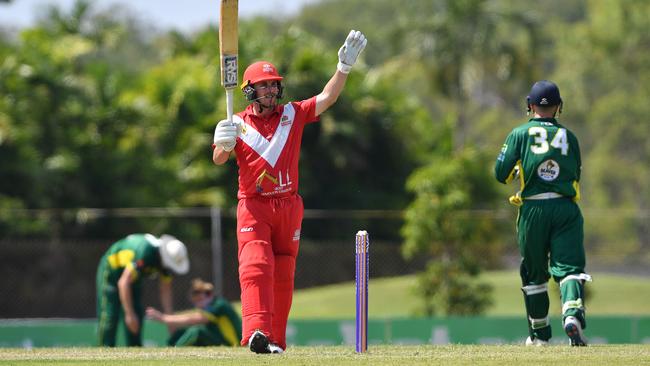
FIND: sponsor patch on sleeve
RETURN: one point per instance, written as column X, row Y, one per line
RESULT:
column 502, row 154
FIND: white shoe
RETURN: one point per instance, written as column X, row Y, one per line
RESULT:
column 258, row 342
column 536, row 342
column 274, row 348
column 573, row 330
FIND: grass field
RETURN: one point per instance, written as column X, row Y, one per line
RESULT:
column 391, row 297
column 338, row 355
column 608, row 294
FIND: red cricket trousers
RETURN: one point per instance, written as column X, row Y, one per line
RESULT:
column 268, row 236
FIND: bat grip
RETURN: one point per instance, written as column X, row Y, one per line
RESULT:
column 229, row 104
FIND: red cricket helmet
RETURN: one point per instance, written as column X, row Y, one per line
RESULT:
column 256, row 72
column 260, row 71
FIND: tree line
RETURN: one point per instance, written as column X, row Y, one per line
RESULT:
column 98, row 109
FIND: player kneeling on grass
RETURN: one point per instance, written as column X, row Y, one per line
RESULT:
column 119, row 282
column 266, row 139
column 212, row 322
column 545, row 156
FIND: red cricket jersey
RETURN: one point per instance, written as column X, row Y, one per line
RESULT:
column 268, row 149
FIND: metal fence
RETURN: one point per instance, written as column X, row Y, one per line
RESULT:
column 49, row 257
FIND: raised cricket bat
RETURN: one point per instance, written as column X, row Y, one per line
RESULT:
column 228, row 48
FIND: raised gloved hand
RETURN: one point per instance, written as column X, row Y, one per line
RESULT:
column 225, row 135
column 352, row 47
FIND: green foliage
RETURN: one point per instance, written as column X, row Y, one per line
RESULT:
column 74, row 137
column 441, row 225
column 98, row 110
column 607, row 76
column 459, row 54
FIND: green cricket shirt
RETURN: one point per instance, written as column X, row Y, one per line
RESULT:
column 136, row 251
column 224, row 320
column 547, row 155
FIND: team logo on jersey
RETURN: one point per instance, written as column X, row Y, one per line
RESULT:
column 267, row 68
column 548, row 170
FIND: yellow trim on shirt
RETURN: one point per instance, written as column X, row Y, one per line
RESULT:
column 226, row 327
column 576, row 186
column 516, row 198
column 166, row 278
column 121, row 258
column 515, row 168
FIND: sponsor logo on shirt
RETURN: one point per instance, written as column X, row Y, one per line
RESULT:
column 285, row 120
column 296, row 235
column 246, row 229
column 260, row 179
column 282, row 182
column 502, row 154
column 548, row 170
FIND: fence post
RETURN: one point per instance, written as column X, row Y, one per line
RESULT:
column 217, row 250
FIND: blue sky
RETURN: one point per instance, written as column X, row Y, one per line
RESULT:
column 184, row 15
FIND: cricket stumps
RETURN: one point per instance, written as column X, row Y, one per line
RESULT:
column 362, row 275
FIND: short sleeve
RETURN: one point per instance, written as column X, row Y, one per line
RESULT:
column 306, row 110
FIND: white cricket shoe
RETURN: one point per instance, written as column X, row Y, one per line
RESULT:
column 274, row 348
column 536, row 342
column 573, row 330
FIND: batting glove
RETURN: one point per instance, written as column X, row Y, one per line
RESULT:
column 225, row 135
column 348, row 53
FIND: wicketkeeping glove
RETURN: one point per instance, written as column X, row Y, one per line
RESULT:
column 348, row 53
column 225, row 135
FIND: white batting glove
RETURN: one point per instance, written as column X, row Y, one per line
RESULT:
column 225, row 135
column 348, row 53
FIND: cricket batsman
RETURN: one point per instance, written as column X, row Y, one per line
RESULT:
column 266, row 139
column 545, row 156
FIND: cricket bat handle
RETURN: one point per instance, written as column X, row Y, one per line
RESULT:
column 229, row 104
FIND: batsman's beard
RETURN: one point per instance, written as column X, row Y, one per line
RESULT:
column 271, row 105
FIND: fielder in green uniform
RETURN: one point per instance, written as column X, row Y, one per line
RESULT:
column 545, row 156
column 212, row 322
column 119, row 282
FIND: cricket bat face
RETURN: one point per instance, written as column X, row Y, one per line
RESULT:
column 228, row 40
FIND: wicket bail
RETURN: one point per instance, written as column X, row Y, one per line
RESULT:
column 362, row 275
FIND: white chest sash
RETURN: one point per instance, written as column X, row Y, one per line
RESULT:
column 268, row 150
